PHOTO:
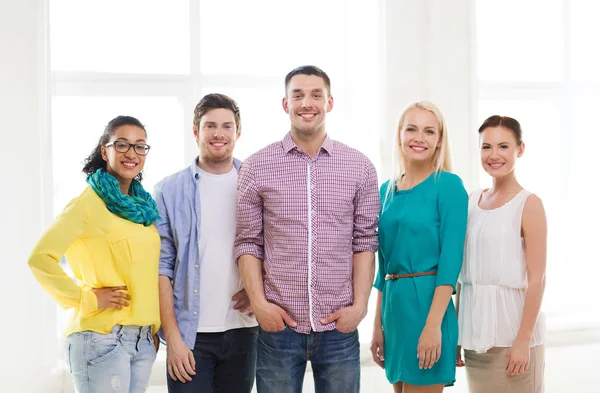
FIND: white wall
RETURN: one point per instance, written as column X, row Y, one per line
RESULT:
column 428, row 50
column 27, row 331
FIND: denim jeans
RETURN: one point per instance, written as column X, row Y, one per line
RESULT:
column 120, row 361
column 282, row 358
column 225, row 363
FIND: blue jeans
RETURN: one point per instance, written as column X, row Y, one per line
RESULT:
column 120, row 361
column 282, row 357
column 225, row 363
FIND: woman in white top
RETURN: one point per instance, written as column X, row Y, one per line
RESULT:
column 501, row 328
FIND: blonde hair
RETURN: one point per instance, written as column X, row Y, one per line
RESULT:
column 441, row 157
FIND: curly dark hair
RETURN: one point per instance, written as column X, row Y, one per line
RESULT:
column 95, row 161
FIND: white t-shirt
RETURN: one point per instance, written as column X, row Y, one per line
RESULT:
column 219, row 275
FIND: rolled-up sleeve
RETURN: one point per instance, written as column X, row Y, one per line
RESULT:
column 249, row 239
column 168, row 251
column 366, row 212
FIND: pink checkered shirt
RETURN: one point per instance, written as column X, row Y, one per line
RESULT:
column 304, row 218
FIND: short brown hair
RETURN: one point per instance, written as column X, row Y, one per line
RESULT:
column 308, row 70
column 217, row 101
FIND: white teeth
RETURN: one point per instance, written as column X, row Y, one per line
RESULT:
column 129, row 164
column 418, row 148
column 308, row 115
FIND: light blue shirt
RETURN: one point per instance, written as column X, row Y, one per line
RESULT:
column 178, row 202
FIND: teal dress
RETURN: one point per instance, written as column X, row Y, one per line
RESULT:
column 420, row 230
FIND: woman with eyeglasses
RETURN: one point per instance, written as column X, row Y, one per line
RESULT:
column 110, row 242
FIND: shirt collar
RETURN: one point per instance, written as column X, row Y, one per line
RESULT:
column 288, row 144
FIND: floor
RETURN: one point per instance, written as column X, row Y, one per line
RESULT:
column 569, row 369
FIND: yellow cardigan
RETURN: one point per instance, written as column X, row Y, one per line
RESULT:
column 103, row 250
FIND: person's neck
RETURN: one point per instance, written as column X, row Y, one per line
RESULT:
column 310, row 143
column 215, row 167
column 125, row 185
column 415, row 173
column 505, row 185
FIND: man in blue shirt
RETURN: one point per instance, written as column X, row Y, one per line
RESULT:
column 206, row 319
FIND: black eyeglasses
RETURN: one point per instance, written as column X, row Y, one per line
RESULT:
column 123, row 147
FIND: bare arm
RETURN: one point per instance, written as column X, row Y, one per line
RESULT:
column 167, row 309
column 378, row 338
column 251, row 274
column 181, row 364
column 363, row 273
column 534, row 229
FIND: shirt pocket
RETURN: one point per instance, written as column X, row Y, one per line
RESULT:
column 131, row 248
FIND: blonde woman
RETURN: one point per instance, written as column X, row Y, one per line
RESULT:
column 503, row 277
column 422, row 227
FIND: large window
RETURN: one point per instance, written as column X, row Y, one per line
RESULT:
column 155, row 59
column 536, row 62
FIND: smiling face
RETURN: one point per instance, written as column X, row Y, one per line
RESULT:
column 217, row 134
column 499, row 151
column 419, row 136
column 307, row 103
column 124, row 166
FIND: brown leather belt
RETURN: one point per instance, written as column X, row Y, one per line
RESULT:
column 397, row 276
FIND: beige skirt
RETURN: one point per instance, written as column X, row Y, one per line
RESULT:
column 486, row 372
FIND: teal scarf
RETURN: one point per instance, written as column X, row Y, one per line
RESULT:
column 139, row 207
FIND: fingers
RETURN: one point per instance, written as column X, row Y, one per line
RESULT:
column 239, row 295
column 121, row 295
column 428, row 359
column 242, row 305
column 421, row 357
column 512, row 368
column 459, row 360
column 333, row 317
column 183, row 372
column 377, row 353
column 188, row 368
column 171, row 372
column 286, row 318
column 192, row 360
column 177, row 372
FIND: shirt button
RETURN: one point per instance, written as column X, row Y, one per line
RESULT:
column 196, row 266
column 195, row 290
column 195, row 313
column 314, row 212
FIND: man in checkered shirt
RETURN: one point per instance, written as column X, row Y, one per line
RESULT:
column 306, row 236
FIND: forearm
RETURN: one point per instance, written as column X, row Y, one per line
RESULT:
column 252, row 277
column 439, row 305
column 531, row 309
column 363, row 273
column 377, row 324
column 167, row 308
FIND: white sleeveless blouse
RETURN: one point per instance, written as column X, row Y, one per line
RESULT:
column 494, row 277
